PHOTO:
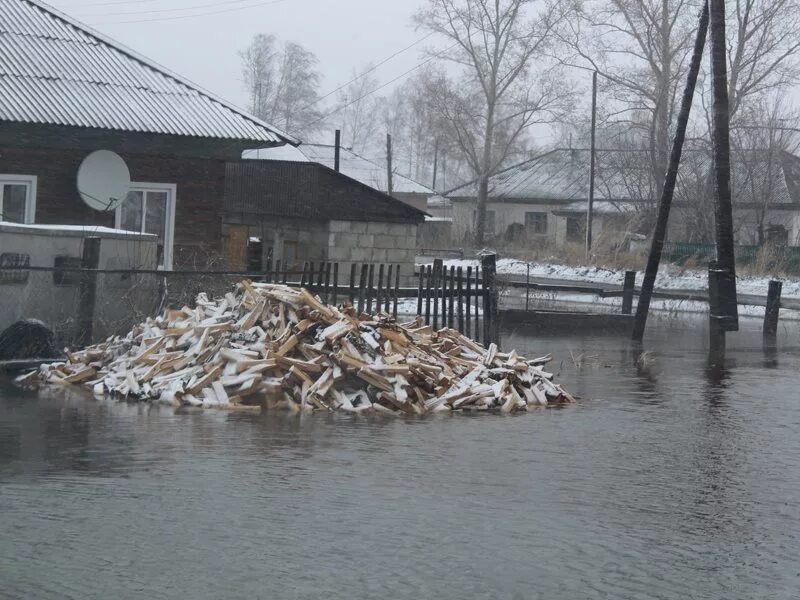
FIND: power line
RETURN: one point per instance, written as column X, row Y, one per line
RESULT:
column 166, row 10
column 379, row 88
column 370, row 70
column 203, row 14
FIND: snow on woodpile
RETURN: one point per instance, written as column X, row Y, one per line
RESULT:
column 271, row 346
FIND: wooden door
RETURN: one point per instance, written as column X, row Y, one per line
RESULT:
column 236, row 247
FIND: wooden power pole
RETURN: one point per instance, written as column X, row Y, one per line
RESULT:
column 660, row 232
column 592, row 166
column 727, row 312
column 389, row 162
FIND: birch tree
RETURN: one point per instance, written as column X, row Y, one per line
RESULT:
column 282, row 83
column 502, row 88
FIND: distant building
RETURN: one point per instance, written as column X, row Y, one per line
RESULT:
column 544, row 198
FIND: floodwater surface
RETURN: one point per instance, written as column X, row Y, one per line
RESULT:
column 669, row 480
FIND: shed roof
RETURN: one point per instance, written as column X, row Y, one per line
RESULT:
column 308, row 190
column 351, row 164
column 54, row 70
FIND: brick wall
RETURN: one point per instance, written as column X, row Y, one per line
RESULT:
column 198, row 210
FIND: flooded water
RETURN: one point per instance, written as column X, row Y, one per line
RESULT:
column 668, row 480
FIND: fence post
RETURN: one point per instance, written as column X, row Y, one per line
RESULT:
column 772, row 312
column 528, row 287
column 437, row 275
column 328, row 283
column 387, row 301
column 352, row 296
column 90, row 259
column 468, row 328
column 627, row 292
column 370, row 287
column 460, row 306
column 452, row 298
column 335, row 284
column 429, row 279
column 362, row 284
column 478, row 296
column 490, row 313
column 396, row 290
column 379, row 294
column 419, row 289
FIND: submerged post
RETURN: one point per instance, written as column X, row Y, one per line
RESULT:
column 90, row 260
column 715, row 318
column 627, row 292
column 660, row 231
column 772, row 312
column 490, row 312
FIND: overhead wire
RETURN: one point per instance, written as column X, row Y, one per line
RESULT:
column 380, row 87
column 370, row 70
column 202, row 14
column 167, row 10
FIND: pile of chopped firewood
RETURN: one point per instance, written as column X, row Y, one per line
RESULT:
column 271, row 346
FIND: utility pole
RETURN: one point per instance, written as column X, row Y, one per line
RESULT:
column 727, row 311
column 660, row 232
column 435, row 163
column 592, row 151
column 389, row 162
column 337, row 150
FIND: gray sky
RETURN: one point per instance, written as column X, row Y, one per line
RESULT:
column 344, row 34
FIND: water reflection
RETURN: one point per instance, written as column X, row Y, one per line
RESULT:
column 672, row 478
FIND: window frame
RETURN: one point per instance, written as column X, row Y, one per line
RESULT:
column 539, row 214
column 31, row 182
column 169, row 229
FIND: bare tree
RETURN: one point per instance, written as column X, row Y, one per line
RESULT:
column 762, row 150
column 640, row 48
column 360, row 111
column 502, row 90
column 283, row 83
column 762, row 54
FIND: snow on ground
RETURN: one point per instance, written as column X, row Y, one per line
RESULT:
column 670, row 277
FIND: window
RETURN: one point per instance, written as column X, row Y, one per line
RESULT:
column 150, row 208
column 536, row 222
column 576, row 229
column 17, row 198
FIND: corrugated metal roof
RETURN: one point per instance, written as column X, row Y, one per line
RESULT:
column 55, row 70
column 351, row 164
column 562, row 175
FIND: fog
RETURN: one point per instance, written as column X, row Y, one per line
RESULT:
column 345, row 34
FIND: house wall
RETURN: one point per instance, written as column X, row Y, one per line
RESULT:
column 506, row 214
column 198, row 208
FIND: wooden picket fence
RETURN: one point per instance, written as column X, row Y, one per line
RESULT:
column 459, row 298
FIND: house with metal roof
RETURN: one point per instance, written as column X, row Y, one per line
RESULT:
column 67, row 91
column 544, row 199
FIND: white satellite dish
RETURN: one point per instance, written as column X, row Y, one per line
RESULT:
column 103, row 180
